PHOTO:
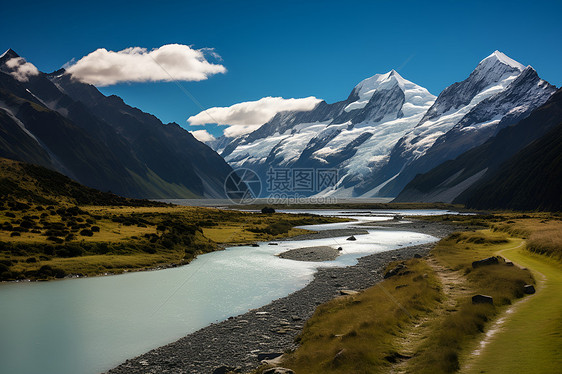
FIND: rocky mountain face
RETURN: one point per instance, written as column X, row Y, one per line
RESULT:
column 498, row 93
column 71, row 127
column 389, row 129
column 515, row 169
column 353, row 136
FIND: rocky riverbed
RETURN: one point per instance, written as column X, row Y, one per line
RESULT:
column 242, row 341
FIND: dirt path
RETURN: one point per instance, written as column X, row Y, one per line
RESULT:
column 454, row 289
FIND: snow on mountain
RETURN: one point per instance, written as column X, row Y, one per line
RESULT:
column 390, row 129
column 498, row 93
column 354, row 135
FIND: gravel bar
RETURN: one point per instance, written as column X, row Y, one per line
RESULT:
column 238, row 341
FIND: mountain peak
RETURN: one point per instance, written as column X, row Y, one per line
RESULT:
column 9, row 54
column 499, row 57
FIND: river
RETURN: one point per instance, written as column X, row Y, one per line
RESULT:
column 89, row 325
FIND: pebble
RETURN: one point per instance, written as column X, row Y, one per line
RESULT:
column 267, row 328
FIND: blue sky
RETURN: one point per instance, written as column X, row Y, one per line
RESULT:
column 291, row 49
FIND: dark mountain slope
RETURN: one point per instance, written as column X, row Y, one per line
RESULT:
column 71, row 127
column 35, row 184
column 450, row 179
column 531, row 180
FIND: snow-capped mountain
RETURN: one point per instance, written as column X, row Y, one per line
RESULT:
column 390, row 129
column 498, row 93
column 353, row 136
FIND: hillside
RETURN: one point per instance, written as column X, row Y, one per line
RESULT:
column 99, row 141
column 530, row 180
column 21, row 181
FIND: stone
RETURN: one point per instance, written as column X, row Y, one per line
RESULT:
column 268, row 355
column 397, row 270
column 340, row 249
column 267, row 210
column 482, row 299
column 255, row 245
column 348, row 292
column 485, row 262
column 352, row 238
column 417, row 255
column 529, row 289
column 278, row 370
column 296, row 318
column 224, row 369
column 509, row 263
column 273, row 244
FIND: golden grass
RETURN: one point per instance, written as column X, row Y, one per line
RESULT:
column 455, row 331
column 355, row 334
column 130, row 237
column 542, row 231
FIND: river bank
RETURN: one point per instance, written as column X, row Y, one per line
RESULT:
column 239, row 341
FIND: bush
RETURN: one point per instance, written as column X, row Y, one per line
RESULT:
column 95, row 229
column 55, row 239
column 86, row 232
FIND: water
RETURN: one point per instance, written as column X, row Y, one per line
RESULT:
column 89, row 325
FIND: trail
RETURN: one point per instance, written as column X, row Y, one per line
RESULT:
column 527, row 337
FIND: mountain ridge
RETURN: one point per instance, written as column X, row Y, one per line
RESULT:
column 101, row 141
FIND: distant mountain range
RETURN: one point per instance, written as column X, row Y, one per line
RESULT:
column 68, row 126
column 389, row 129
column 519, row 168
column 389, row 138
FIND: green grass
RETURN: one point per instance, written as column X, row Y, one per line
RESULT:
column 355, row 334
column 456, row 330
column 530, row 340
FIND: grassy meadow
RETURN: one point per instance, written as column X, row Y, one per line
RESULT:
column 53, row 241
column 425, row 322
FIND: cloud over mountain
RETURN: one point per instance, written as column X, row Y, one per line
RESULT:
column 202, row 135
column 21, row 69
column 247, row 116
column 168, row 63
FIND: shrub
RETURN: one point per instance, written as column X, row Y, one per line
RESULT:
column 95, row 229
column 86, row 232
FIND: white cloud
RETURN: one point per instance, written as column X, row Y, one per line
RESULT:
column 167, row 63
column 21, row 69
column 245, row 117
column 202, row 135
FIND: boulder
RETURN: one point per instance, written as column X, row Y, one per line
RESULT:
column 255, row 245
column 529, row 289
column 268, row 355
column 417, row 255
column 340, row 249
column 485, row 262
column 348, row 292
column 273, row 244
column 267, row 210
column 482, row 299
column 509, row 263
column 224, row 369
column 351, row 238
column 278, row 370
column 399, row 269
